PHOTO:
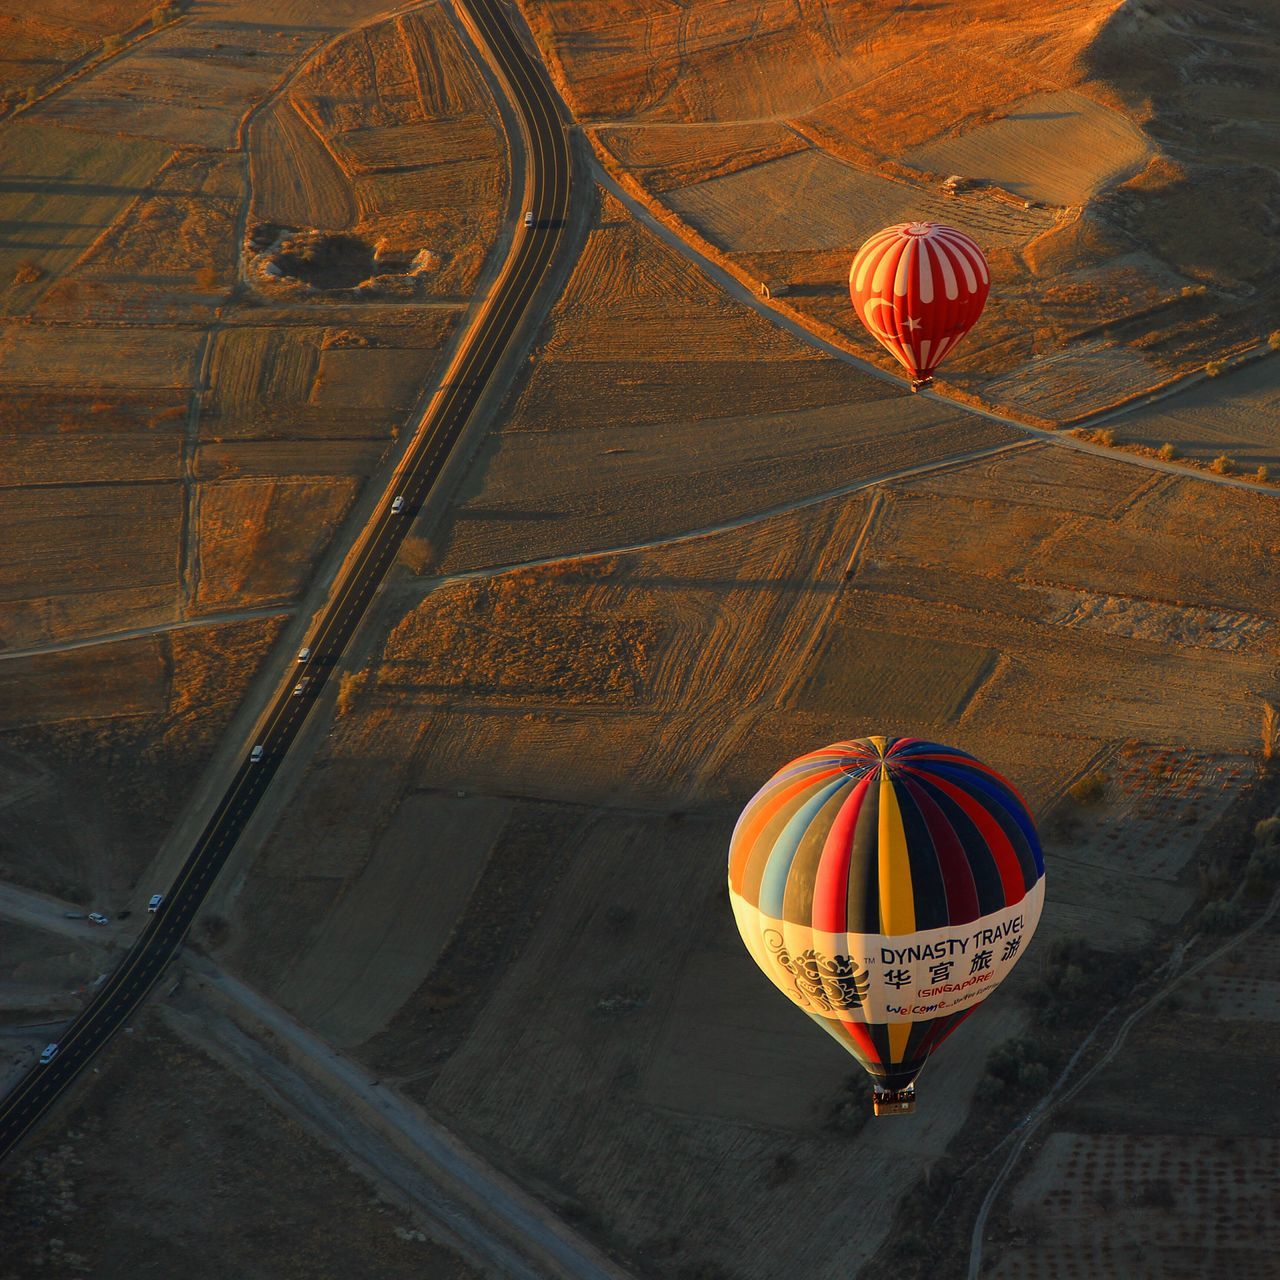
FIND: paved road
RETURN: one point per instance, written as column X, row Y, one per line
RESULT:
column 353, row 591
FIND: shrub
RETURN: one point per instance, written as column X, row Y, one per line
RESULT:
column 112, row 42
column 1263, row 869
column 349, row 688
column 32, row 94
column 206, row 279
column 215, row 931
column 416, row 553
column 1263, row 473
column 1090, row 789
column 619, row 918
column 1194, row 290
column 1214, row 368
column 1017, row 1065
column 1167, row 452
column 850, row 1109
column 1157, row 1194
column 1273, row 340
column 1222, row 465
column 1221, row 916
column 1267, row 832
column 27, row 273
column 1104, row 435
column 783, row 1169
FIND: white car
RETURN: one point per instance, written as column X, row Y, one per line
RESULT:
column 256, row 754
column 50, row 1052
column 304, row 654
column 528, row 218
column 301, row 687
column 156, row 900
column 397, row 505
column 96, row 917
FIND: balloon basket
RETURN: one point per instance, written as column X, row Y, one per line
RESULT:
column 894, row 1102
column 919, row 384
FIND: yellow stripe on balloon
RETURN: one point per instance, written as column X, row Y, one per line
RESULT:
column 878, row 742
column 897, row 902
column 899, row 1032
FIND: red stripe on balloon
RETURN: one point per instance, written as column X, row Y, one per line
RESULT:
column 831, row 885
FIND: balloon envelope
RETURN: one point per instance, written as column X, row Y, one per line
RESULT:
column 887, row 886
column 919, row 287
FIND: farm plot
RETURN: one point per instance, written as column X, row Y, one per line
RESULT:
column 188, row 86
column 78, row 453
column 810, row 201
column 238, row 520
column 1150, row 620
column 896, row 681
column 295, row 179
column 1086, row 378
column 1161, row 803
column 666, row 157
column 1220, row 542
column 36, row 356
column 1147, row 1206
column 72, row 686
column 108, row 785
column 170, row 259
column 61, row 189
column 394, row 917
column 538, row 493
column 1054, row 148
column 1235, row 415
column 87, row 559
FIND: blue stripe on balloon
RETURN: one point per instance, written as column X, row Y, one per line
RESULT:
column 976, row 780
column 773, row 884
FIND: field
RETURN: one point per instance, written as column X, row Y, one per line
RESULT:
column 943, row 605
column 689, row 547
column 1056, row 149
column 166, row 1135
column 112, row 736
column 645, row 372
column 1166, row 1165
column 777, row 139
column 183, row 436
column 43, row 45
column 1235, row 416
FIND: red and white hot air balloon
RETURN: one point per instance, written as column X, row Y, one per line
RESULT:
column 919, row 288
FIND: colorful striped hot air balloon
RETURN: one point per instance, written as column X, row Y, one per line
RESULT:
column 887, row 886
column 919, row 288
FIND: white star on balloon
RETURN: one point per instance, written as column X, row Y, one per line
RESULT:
column 912, row 323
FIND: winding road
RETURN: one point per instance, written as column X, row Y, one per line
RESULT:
column 479, row 357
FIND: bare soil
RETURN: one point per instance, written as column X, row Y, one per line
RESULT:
column 166, row 1163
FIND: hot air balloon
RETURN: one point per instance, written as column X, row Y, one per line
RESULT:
column 887, row 886
column 919, row 288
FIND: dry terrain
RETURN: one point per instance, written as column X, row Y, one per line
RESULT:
column 235, row 251
column 561, row 741
column 158, row 1168
column 1096, row 144
column 689, row 548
